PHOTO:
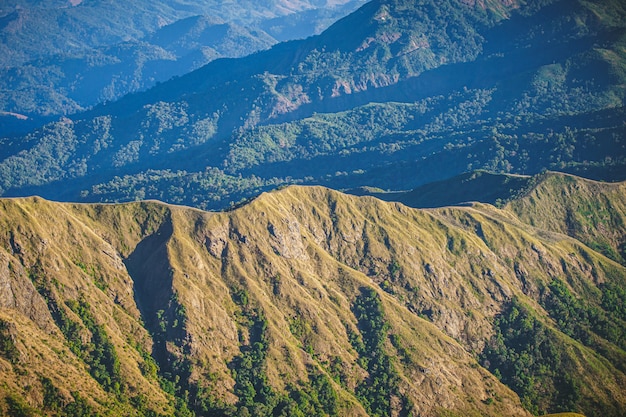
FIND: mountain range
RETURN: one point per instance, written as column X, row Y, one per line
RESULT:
column 394, row 96
column 363, row 222
column 307, row 301
column 59, row 58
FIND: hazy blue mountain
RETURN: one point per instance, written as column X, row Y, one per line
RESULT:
column 395, row 95
column 308, row 22
column 34, row 29
column 58, row 58
column 68, row 83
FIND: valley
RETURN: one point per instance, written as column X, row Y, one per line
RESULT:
column 513, row 89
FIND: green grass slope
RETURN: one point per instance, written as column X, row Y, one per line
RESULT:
column 304, row 302
column 592, row 212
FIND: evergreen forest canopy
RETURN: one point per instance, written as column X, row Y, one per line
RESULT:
column 420, row 92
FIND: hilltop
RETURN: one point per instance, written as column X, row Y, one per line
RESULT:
column 307, row 301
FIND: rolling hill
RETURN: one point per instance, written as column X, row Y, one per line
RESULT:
column 307, row 301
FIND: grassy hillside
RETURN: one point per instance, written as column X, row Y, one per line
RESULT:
column 304, row 302
column 589, row 211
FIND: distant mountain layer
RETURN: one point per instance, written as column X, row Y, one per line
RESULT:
column 58, row 59
column 68, row 83
column 396, row 95
column 311, row 302
column 32, row 30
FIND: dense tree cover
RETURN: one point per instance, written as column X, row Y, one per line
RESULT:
column 538, row 90
column 53, row 402
column 526, row 356
column 103, row 363
column 381, row 146
column 7, row 344
column 390, row 146
column 583, row 320
column 168, row 325
column 530, row 357
column 382, row 383
column 209, row 189
column 18, row 407
column 614, row 300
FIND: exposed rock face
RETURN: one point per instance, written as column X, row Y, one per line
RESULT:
column 283, row 277
column 18, row 293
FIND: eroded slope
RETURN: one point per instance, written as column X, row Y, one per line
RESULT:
column 306, row 300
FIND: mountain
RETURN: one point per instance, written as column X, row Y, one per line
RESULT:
column 477, row 186
column 60, row 58
column 307, row 301
column 396, row 95
column 67, row 83
column 305, row 23
column 33, row 30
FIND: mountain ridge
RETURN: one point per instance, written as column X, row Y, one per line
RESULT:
column 280, row 284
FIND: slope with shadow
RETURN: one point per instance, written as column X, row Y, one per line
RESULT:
column 306, row 302
column 477, row 186
column 396, row 95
